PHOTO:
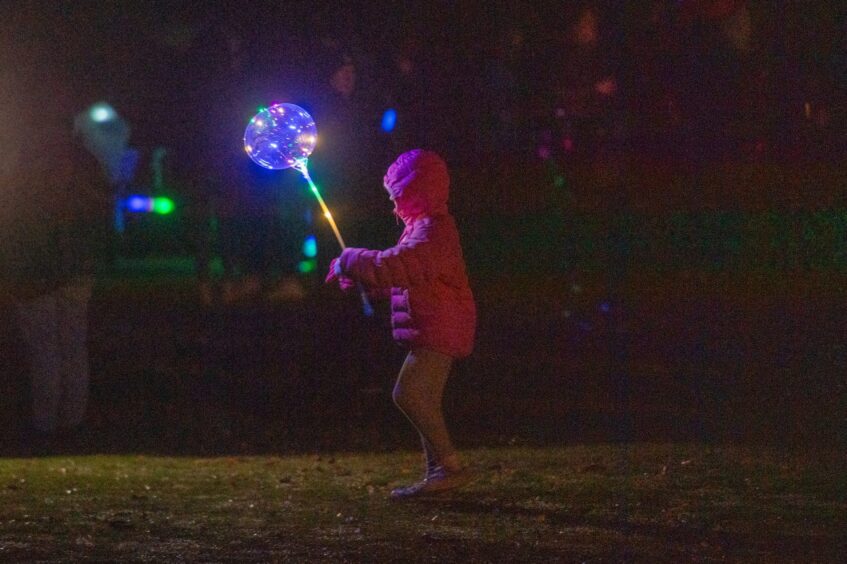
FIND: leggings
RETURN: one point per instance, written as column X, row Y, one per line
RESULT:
column 418, row 394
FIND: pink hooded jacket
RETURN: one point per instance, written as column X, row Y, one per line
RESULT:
column 431, row 302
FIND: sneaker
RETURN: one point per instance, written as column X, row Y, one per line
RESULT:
column 438, row 481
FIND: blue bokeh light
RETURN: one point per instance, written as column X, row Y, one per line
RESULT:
column 139, row 204
column 310, row 247
column 389, row 120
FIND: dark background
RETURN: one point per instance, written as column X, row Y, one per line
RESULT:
column 666, row 261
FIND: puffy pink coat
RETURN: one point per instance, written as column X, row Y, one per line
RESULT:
column 431, row 302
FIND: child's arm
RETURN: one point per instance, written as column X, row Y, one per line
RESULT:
column 412, row 262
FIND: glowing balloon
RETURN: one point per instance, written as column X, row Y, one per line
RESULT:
column 281, row 136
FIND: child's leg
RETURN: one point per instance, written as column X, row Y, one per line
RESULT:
column 418, row 393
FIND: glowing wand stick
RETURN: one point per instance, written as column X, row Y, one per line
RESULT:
column 283, row 136
column 300, row 166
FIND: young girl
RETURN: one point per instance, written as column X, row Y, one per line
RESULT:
column 433, row 312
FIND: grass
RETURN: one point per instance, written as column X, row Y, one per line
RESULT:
column 641, row 502
column 591, row 503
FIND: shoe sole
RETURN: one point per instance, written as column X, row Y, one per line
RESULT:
column 456, row 481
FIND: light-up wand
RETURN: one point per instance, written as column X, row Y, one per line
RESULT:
column 283, row 136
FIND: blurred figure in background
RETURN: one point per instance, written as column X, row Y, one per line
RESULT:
column 56, row 215
column 105, row 136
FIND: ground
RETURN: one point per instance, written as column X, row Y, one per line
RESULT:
column 266, row 432
column 580, row 503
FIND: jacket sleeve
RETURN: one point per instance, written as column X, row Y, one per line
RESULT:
column 412, row 262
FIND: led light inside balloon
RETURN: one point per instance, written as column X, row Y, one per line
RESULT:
column 280, row 136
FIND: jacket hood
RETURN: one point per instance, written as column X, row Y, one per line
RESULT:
column 418, row 183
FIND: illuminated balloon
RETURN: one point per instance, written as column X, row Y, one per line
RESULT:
column 280, row 137
column 283, row 136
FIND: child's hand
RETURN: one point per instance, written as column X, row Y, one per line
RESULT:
column 334, row 271
column 344, row 282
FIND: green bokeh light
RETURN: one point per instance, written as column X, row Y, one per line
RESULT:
column 163, row 206
column 307, row 266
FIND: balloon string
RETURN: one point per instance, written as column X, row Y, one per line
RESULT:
column 301, row 166
column 305, row 172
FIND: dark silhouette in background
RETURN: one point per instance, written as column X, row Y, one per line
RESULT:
column 54, row 229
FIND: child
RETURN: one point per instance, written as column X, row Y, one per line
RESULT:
column 432, row 308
